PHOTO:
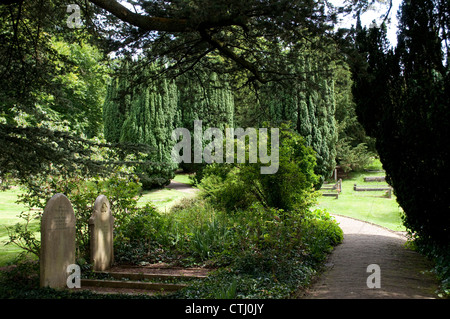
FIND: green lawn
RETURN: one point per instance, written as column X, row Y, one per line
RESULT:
column 368, row 206
column 162, row 199
column 9, row 212
column 183, row 178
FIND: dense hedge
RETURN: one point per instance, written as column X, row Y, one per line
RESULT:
column 402, row 101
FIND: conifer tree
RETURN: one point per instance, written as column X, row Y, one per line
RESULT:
column 402, row 100
column 309, row 104
column 208, row 98
column 144, row 115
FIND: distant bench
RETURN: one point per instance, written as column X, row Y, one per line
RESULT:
column 375, row 179
column 336, row 187
column 373, row 189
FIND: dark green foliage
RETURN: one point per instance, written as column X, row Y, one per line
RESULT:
column 310, row 105
column 204, row 97
column 244, row 36
column 223, row 185
column 402, row 100
column 144, row 115
column 148, row 114
column 138, row 235
column 51, row 89
column 354, row 148
column 113, row 111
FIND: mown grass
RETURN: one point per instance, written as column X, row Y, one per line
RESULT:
column 368, row 206
column 183, row 178
column 163, row 199
column 9, row 216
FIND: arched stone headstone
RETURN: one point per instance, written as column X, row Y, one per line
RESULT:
column 57, row 242
column 101, row 225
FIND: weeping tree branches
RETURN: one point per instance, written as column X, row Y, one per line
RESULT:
column 29, row 151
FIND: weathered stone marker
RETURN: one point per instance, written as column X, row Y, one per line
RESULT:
column 101, row 226
column 57, row 241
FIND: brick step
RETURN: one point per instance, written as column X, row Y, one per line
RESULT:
column 128, row 284
column 147, row 276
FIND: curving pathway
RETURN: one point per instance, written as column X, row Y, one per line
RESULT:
column 182, row 187
column 403, row 273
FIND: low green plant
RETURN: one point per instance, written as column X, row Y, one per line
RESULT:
column 227, row 292
column 223, row 186
column 276, row 254
column 320, row 233
column 440, row 256
column 353, row 158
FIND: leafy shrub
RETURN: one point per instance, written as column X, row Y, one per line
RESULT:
column 204, row 233
column 291, row 188
column 237, row 186
column 156, row 175
column 353, row 158
column 320, row 233
column 223, row 186
column 149, row 236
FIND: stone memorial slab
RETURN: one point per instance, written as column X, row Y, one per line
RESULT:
column 57, row 242
column 101, row 225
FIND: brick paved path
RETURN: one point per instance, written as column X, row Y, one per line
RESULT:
column 403, row 272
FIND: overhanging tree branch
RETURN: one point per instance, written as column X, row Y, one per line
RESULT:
column 175, row 25
column 227, row 52
column 150, row 23
column 146, row 23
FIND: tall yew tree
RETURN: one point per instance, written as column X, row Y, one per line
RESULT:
column 144, row 114
column 403, row 100
column 308, row 103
